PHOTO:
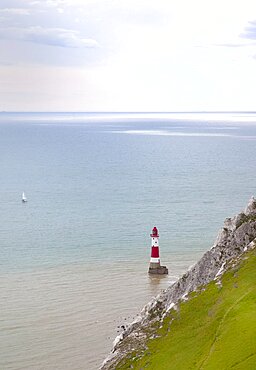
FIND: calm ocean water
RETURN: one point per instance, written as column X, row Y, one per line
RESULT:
column 74, row 258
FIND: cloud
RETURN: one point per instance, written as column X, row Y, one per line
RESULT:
column 58, row 37
column 234, row 45
column 51, row 3
column 49, row 36
column 54, row 3
column 15, row 11
column 245, row 39
column 250, row 31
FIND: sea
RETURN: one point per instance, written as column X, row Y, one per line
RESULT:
column 74, row 258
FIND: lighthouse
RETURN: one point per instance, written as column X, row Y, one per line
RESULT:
column 155, row 266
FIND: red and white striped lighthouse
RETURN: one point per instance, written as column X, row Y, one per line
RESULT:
column 155, row 257
column 155, row 266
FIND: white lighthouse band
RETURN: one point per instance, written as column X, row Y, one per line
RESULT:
column 155, row 241
column 154, row 260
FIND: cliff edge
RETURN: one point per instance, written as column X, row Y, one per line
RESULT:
column 237, row 236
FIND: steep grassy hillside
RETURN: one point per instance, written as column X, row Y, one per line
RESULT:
column 214, row 329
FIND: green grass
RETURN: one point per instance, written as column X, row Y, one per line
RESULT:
column 215, row 329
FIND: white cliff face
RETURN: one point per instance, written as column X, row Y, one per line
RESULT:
column 251, row 207
column 237, row 235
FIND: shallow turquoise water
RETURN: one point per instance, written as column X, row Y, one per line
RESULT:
column 74, row 257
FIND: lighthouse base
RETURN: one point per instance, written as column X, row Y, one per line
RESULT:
column 159, row 270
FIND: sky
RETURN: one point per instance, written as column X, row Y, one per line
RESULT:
column 127, row 55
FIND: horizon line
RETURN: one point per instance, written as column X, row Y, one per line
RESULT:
column 129, row 112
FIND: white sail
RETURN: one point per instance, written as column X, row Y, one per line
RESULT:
column 24, row 199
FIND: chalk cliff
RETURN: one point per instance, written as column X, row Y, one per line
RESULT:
column 237, row 236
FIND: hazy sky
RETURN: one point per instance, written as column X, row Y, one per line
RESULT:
column 127, row 55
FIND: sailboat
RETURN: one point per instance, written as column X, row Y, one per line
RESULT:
column 24, row 199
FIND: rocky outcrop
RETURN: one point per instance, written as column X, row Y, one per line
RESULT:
column 237, row 235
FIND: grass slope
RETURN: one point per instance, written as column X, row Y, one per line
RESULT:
column 215, row 329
